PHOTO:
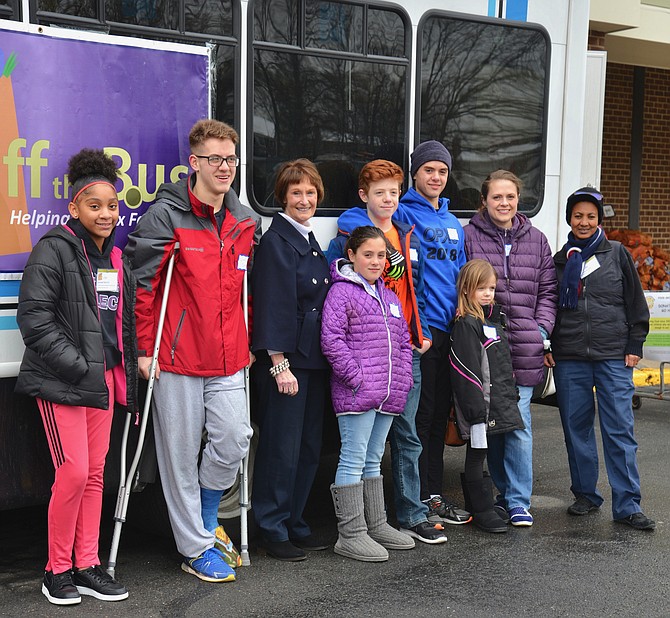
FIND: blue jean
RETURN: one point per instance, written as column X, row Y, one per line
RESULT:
column 614, row 390
column 363, row 439
column 511, row 458
column 405, row 451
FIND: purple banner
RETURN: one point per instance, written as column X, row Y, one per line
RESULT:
column 58, row 96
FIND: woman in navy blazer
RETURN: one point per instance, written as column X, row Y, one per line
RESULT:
column 290, row 279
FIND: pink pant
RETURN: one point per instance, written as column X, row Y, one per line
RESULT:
column 78, row 439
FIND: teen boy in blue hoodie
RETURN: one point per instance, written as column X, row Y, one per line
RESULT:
column 442, row 244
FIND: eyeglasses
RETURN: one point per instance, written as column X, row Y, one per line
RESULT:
column 592, row 192
column 216, row 160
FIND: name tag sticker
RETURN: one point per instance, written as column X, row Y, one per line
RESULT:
column 107, row 280
column 395, row 310
column 242, row 261
column 591, row 265
column 452, row 232
column 490, row 332
column 413, row 254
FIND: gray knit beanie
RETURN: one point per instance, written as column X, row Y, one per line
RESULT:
column 429, row 151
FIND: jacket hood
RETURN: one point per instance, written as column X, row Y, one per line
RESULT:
column 175, row 193
column 415, row 200
column 342, row 271
column 108, row 244
column 355, row 217
column 62, row 232
column 520, row 224
column 494, row 313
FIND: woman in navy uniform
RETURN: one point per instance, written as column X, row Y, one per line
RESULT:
column 290, row 279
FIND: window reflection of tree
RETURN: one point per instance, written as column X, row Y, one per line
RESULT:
column 386, row 34
column 338, row 111
column 331, row 25
column 209, row 16
column 81, row 8
column 154, row 13
column 483, row 91
column 276, row 21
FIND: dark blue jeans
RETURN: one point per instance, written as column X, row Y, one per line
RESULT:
column 614, row 390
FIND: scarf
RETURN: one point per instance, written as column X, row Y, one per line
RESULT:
column 577, row 252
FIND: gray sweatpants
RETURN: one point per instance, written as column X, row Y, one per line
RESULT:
column 184, row 407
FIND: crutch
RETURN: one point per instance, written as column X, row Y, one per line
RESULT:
column 126, row 478
column 244, row 465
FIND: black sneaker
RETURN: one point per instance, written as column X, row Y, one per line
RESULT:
column 582, row 506
column 96, row 582
column 441, row 511
column 427, row 532
column 639, row 521
column 59, row 589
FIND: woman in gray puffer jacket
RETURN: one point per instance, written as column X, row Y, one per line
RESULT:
column 526, row 291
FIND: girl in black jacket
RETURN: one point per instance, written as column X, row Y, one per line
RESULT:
column 482, row 379
column 76, row 315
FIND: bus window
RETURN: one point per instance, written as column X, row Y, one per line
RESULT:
column 141, row 13
column 334, row 91
column 77, row 8
column 213, row 17
column 9, row 9
column 484, row 93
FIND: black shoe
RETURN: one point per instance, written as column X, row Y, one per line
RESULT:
column 489, row 521
column 501, row 512
column 96, row 582
column 427, row 532
column 582, row 506
column 310, row 543
column 59, row 589
column 284, row 550
column 639, row 521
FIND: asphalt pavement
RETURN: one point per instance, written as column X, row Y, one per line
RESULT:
column 561, row 566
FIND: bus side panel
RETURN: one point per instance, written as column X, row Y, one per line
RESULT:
column 26, row 471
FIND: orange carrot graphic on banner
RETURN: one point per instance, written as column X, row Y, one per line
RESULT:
column 15, row 238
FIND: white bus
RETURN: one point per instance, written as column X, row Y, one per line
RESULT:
column 502, row 83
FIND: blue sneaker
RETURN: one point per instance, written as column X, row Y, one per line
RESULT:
column 210, row 566
column 518, row 516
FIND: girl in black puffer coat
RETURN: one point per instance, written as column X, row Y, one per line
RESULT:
column 76, row 315
column 485, row 395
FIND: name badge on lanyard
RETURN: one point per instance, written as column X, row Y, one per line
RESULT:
column 107, row 280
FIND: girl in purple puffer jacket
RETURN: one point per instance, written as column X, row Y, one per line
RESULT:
column 364, row 336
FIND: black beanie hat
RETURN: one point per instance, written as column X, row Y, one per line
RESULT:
column 429, row 151
column 585, row 194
